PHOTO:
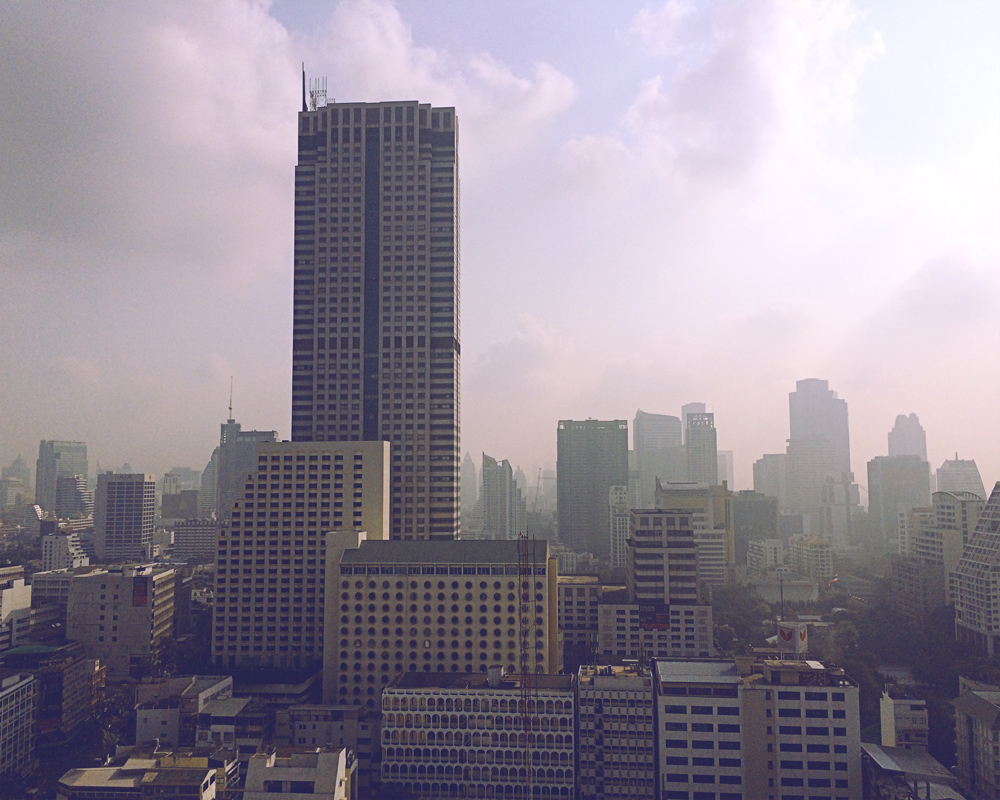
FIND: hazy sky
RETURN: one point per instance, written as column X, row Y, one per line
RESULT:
column 661, row 203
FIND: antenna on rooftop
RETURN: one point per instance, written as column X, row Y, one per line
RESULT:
column 304, row 106
column 317, row 93
column 230, row 398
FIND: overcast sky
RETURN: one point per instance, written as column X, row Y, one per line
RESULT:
column 661, row 203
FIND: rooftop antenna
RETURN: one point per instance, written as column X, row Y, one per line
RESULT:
column 304, row 106
column 230, row 398
column 317, row 93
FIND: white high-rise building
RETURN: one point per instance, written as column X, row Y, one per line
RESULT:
column 63, row 551
column 977, row 582
column 376, row 342
column 123, row 516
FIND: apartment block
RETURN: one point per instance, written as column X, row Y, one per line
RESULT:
column 617, row 734
column 810, row 557
column 579, row 601
column 475, row 735
column 270, row 584
column 711, row 511
column 977, row 731
column 63, row 551
column 124, row 512
column 18, row 710
column 448, row 606
column 195, row 540
column 764, row 729
column 977, row 582
column 764, row 555
column 904, row 719
column 324, row 774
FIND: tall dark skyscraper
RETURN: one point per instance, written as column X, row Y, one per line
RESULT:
column 56, row 459
column 376, row 351
column 592, row 456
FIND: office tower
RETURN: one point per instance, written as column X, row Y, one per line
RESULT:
column 617, row 732
column 270, row 561
column 819, row 482
column 619, row 511
column 960, row 475
column 579, row 598
column 656, row 444
column 592, row 456
column 73, row 498
column 711, row 510
column 977, row 719
column 123, row 516
column 55, row 459
column 63, row 551
column 470, row 489
column 687, row 410
column 237, row 458
column 451, row 606
column 907, row 437
column 195, row 540
column 19, row 711
column 701, row 449
column 455, row 769
column 661, row 613
column 376, row 342
column 121, row 615
column 755, row 518
column 772, row 728
column 505, row 511
column 725, row 468
column 977, row 582
column 896, row 485
column 19, row 469
column 769, row 473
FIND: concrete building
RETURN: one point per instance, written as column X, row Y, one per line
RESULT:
column 138, row 779
column 504, row 509
column 904, row 719
column 56, row 458
column 579, row 601
column 769, row 478
column 616, row 732
column 916, row 587
column 977, row 582
column 466, row 735
column 269, row 584
column 907, row 438
column 657, row 445
column 764, row 555
column 18, row 711
column 14, row 493
column 63, row 551
column 711, row 510
column 73, row 498
column 196, row 540
column 469, row 490
column 960, row 475
column 619, row 508
column 895, row 773
column 15, row 609
column 121, row 615
column 592, row 456
column 896, row 485
column 755, row 517
column 450, row 606
column 764, row 729
column 810, row 557
column 237, row 457
column 181, row 505
column 124, row 515
column 168, row 709
column 701, row 449
column 17, row 469
column 376, row 338
column 321, row 773
column 977, row 731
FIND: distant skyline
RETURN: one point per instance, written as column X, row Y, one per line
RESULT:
column 661, row 203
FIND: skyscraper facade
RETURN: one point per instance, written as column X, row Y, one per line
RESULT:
column 376, row 343
column 591, row 457
column 701, row 449
column 896, row 485
column 123, row 516
column 237, row 458
column 960, row 475
column 55, row 459
column 504, row 509
column 907, row 437
column 656, row 443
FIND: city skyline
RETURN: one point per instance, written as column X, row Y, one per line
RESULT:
column 873, row 266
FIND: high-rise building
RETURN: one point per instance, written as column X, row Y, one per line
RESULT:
column 769, row 475
column 19, row 711
column 63, row 551
column 896, row 485
column 977, row 582
column 701, row 449
column 18, row 468
column 73, row 498
column 687, row 410
column 470, row 489
column 711, row 510
column 266, row 615
column 819, row 481
column 195, row 539
column 237, row 458
column 619, row 510
column 592, row 456
column 907, row 437
column 123, row 516
column 54, row 459
column 376, row 343
column 656, row 445
column 960, row 475
column 977, row 721
column 505, row 511
column 755, row 518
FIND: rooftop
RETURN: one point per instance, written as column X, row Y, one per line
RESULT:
column 456, row 551
column 578, row 579
column 462, row 681
column 697, row 671
column 106, row 777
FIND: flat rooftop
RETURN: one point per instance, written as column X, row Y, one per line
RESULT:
column 463, row 681
column 697, row 672
column 455, row 551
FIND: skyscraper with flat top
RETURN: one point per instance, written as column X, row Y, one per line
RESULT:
column 376, row 342
column 54, row 460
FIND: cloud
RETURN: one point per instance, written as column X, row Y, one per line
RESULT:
column 660, row 30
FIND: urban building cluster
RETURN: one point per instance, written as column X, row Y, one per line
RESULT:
column 377, row 615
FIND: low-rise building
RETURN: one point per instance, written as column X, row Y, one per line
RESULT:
column 896, row 773
column 479, row 735
column 138, row 779
column 18, row 712
column 323, row 774
column 15, row 611
column 904, row 719
column 167, row 708
column 628, row 630
column 617, row 733
column 810, row 557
